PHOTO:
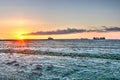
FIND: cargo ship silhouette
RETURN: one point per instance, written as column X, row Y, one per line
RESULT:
column 98, row 38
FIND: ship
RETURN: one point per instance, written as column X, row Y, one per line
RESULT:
column 98, row 38
column 50, row 38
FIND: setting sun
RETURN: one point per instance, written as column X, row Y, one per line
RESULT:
column 19, row 35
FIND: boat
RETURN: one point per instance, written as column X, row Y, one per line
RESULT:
column 98, row 38
column 50, row 38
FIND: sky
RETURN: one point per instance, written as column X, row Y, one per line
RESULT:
column 60, row 19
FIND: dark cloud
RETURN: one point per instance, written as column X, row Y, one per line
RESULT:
column 65, row 31
column 106, row 29
column 112, row 29
column 73, row 30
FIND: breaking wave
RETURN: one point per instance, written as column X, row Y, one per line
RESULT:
column 38, row 52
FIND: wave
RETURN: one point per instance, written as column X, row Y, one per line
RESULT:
column 38, row 52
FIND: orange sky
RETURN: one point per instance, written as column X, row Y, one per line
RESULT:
column 24, row 16
column 13, row 28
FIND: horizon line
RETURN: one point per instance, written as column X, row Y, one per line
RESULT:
column 53, row 39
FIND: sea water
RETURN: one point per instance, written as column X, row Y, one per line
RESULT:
column 61, row 60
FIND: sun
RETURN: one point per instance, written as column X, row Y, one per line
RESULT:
column 19, row 36
column 19, row 33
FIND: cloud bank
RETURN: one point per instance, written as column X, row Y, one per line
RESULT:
column 73, row 30
column 65, row 31
column 112, row 29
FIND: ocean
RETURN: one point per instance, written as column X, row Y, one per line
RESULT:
column 70, row 59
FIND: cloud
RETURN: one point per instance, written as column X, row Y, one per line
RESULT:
column 73, row 30
column 106, row 29
column 112, row 29
column 57, row 32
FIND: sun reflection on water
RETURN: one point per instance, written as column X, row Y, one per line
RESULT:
column 15, row 44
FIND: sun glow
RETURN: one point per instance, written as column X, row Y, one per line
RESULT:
column 19, row 35
column 20, row 22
